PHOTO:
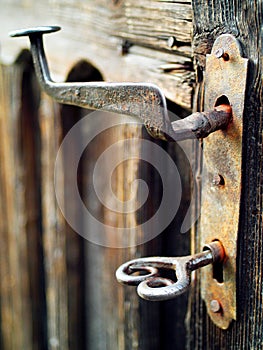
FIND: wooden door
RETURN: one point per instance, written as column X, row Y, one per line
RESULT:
column 58, row 290
column 243, row 19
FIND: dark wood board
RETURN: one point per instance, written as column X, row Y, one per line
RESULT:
column 243, row 19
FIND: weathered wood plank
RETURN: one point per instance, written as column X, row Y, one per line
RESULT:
column 15, row 311
column 152, row 23
column 53, row 230
column 107, row 307
column 149, row 23
column 243, row 19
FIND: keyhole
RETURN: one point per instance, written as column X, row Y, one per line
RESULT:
column 218, row 273
column 222, row 100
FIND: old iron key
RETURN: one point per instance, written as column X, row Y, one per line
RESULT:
column 142, row 100
column 154, row 288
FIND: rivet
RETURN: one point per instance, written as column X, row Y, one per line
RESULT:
column 220, row 53
column 215, row 306
column 218, row 180
column 171, row 41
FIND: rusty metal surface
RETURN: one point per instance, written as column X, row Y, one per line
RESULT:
column 154, row 288
column 226, row 73
column 201, row 124
column 144, row 101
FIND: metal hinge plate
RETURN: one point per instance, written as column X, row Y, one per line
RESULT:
column 226, row 74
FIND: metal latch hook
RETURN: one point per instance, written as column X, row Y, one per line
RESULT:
column 143, row 100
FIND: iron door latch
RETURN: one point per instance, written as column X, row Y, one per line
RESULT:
column 225, row 80
column 142, row 100
column 225, row 84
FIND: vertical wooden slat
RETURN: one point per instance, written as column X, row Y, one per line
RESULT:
column 16, row 317
column 113, row 311
column 53, row 230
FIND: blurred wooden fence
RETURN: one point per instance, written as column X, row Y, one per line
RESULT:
column 58, row 291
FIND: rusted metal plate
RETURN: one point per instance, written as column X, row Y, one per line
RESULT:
column 226, row 73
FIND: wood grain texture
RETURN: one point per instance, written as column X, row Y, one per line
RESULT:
column 54, row 239
column 13, row 287
column 112, row 310
column 22, row 297
column 243, row 19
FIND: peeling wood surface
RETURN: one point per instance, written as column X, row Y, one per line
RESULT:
column 243, row 19
column 99, row 30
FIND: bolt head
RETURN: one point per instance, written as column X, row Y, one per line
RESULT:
column 171, row 41
column 219, row 53
column 215, row 306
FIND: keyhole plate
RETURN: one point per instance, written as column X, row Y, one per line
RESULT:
column 226, row 74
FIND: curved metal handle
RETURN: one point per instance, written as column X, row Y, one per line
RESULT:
column 142, row 100
column 154, row 288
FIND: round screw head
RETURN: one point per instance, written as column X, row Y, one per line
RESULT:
column 171, row 41
column 34, row 30
column 215, row 306
column 220, row 53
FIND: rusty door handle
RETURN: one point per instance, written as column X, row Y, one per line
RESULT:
column 154, row 288
column 142, row 100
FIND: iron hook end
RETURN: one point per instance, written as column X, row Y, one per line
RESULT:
column 40, row 30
